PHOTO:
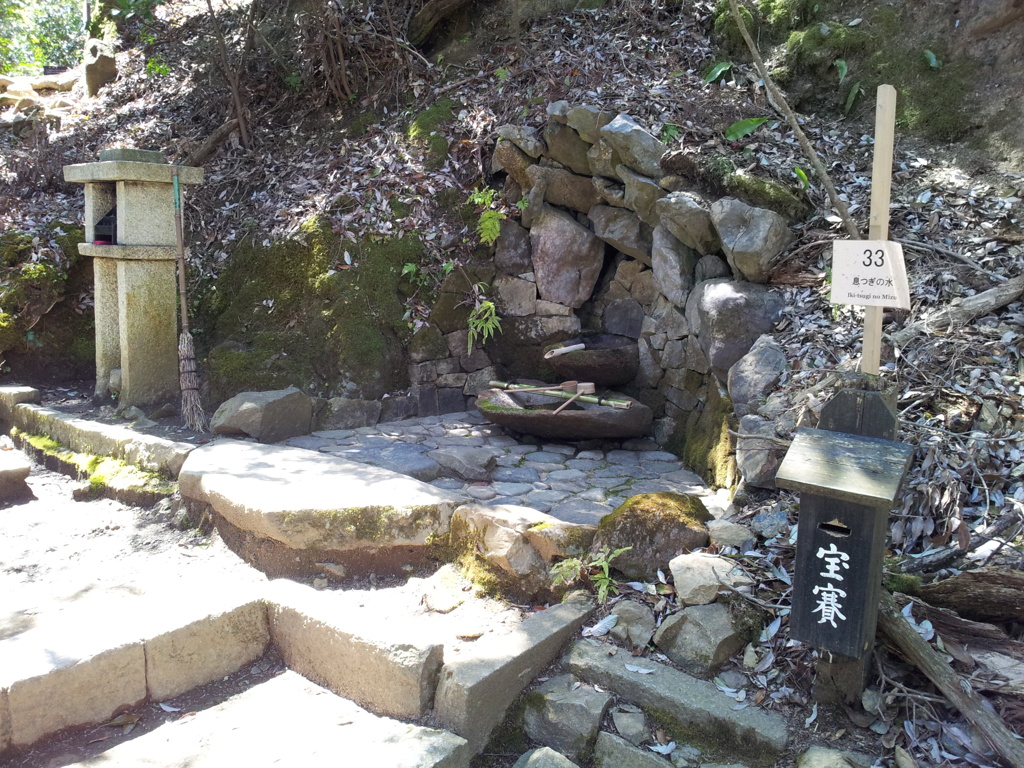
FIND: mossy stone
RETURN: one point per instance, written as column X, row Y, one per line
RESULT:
column 293, row 319
column 424, row 131
column 658, row 526
column 765, row 193
column 705, row 444
column 428, row 343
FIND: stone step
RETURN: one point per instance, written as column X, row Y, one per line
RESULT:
column 117, row 649
column 287, row 508
column 701, row 712
column 14, row 469
column 287, row 721
column 381, row 662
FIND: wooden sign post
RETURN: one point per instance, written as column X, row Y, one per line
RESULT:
column 871, row 273
column 849, row 470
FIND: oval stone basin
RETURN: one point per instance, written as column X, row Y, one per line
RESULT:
column 608, row 360
column 533, row 414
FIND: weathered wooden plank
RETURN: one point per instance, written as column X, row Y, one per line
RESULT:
column 863, row 470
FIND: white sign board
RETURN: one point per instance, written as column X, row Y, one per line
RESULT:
column 869, row 273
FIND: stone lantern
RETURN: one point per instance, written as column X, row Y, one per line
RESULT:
column 129, row 233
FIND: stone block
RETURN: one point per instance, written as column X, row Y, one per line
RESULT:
column 5, row 721
column 566, row 716
column 152, row 453
column 610, row 751
column 545, row 757
column 288, row 721
column 66, row 679
column 355, row 659
column 12, row 396
column 14, row 469
column 451, row 399
column 696, row 706
column 205, row 649
column 476, row 690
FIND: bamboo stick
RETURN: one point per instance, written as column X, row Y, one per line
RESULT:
column 610, row 402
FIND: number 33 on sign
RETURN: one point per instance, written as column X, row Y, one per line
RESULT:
column 869, row 273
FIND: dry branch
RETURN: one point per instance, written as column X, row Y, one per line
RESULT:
column 953, row 628
column 943, row 557
column 779, row 100
column 954, row 687
column 208, row 147
column 988, row 594
column 231, row 75
column 960, row 314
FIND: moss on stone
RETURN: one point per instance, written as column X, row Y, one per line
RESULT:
column 765, row 193
column 107, row 476
column 786, row 14
column 424, row 131
column 726, row 32
column 648, row 508
column 706, row 446
column 33, row 289
column 906, row 583
column 289, row 317
column 820, row 44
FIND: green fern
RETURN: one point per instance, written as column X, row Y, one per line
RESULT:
column 489, row 226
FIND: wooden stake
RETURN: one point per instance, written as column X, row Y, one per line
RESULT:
column 878, row 229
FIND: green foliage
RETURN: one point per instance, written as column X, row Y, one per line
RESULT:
column 483, row 318
column 38, row 32
column 800, row 174
column 488, row 226
column 135, row 9
column 851, row 98
column 670, row 132
column 502, row 74
column 840, row 64
column 744, row 128
column 717, row 71
column 595, row 568
column 157, row 67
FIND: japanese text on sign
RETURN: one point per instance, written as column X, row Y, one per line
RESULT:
column 829, row 595
column 869, row 273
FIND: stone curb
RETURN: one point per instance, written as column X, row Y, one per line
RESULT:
column 696, row 705
column 475, row 692
column 18, row 406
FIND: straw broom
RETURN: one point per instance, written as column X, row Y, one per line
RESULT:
column 188, row 378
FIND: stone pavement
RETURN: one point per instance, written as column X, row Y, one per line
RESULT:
column 464, row 453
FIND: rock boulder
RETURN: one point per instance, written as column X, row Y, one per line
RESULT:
column 267, row 416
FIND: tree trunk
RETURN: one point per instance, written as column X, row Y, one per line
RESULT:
column 989, row 594
column 430, row 15
column 954, row 687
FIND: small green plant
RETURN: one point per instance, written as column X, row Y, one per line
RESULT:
column 523, row 203
column 595, row 568
column 744, row 128
column 489, row 225
column 670, row 132
column 851, row 98
column 802, row 175
column 294, row 81
column 157, row 67
column 502, row 74
column 483, row 321
column 717, row 71
column 840, row 64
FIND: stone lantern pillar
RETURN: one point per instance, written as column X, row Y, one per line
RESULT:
column 134, row 267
